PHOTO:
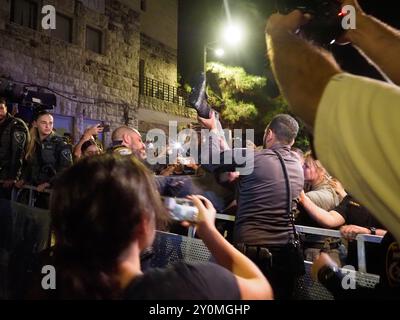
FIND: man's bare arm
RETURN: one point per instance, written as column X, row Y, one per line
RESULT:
column 301, row 69
column 377, row 41
column 380, row 43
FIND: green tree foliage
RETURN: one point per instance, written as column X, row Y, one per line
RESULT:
column 242, row 101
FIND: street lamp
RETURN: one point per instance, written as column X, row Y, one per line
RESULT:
column 219, row 52
column 232, row 35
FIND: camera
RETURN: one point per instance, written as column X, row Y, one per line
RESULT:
column 326, row 24
column 181, row 209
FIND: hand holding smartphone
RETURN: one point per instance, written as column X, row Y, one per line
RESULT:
column 181, row 209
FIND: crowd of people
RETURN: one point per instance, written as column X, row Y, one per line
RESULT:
column 106, row 206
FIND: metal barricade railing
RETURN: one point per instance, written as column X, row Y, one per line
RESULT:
column 361, row 239
column 31, row 200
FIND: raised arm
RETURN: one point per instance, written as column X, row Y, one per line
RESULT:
column 252, row 283
column 87, row 135
column 376, row 40
column 301, row 69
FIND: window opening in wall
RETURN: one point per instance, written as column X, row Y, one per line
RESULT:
column 143, row 5
column 63, row 29
column 25, row 13
column 94, row 40
column 141, row 76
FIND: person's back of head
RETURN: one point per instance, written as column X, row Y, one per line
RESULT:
column 98, row 206
column 131, row 139
column 118, row 134
column 282, row 129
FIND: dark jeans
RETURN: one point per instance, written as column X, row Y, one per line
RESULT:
column 277, row 266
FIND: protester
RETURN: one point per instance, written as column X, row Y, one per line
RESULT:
column 113, row 197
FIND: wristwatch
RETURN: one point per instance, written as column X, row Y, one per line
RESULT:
column 373, row 231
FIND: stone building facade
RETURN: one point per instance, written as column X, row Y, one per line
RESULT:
column 106, row 60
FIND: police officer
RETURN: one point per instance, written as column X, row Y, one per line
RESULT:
column 13, row 139
column 47, row 154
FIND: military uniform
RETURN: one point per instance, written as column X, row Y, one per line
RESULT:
column 13, row 138
column 52, row 155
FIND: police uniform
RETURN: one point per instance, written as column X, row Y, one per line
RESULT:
column 52, row 155
column 14, row 135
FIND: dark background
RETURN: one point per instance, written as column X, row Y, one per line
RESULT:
column 200, row 22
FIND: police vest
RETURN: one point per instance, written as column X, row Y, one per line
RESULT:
column 11, row 129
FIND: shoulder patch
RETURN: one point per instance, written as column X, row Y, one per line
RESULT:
column 20, row 137
column 66, row 154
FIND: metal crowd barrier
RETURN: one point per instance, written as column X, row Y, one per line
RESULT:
column 361, row 239
column 167, row 248
column 31, row 200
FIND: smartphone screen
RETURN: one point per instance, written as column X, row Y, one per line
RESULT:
column 181, row 209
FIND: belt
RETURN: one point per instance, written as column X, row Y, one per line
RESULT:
column 254, row 252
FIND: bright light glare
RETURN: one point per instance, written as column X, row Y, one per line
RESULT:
column 219, row 52
column 233, row 34
column 177, row 145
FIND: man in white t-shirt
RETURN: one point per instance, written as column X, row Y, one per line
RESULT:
column 355, row 119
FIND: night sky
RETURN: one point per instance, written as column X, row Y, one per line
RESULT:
column 200, row 22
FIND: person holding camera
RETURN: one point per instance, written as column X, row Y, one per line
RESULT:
column 105, row 210
column 330, row 98
column 88, row 140
column 362, row 154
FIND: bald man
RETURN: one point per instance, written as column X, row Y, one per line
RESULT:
column 126, row 141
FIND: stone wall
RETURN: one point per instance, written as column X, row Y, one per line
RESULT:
column 96, row 86
column 160, row 21
column 160, row 60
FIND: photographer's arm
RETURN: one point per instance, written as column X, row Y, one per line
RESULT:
column 378, row 41
column 301, row 69
column 252, row 283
